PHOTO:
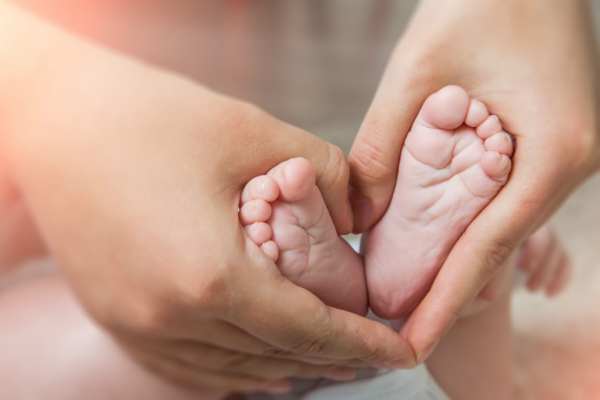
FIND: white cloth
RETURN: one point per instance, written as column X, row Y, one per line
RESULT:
column 414, row 384
column 407, row 384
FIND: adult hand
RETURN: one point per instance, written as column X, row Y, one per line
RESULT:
column 533, row 64
column 133, row 176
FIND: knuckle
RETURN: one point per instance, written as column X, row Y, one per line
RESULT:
column 275, row 352
column 316, row 343
column 495, row 256
column 576, row 145
column 208, row 292
column 131, row 314
column 370, row 349
column 336, row 168
column 145, row 316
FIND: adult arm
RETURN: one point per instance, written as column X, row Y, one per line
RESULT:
column 133, row 176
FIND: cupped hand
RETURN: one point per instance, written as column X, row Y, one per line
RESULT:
column 533, row 64
column 133, row 176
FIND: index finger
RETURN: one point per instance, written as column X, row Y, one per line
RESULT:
column 296, row 323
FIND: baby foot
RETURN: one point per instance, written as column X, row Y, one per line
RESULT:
column 545, row 262
column 283, row 212
column 454, row 161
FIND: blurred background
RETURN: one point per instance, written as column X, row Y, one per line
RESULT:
column 316, row 64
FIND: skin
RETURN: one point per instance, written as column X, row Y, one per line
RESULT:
column 554, row 131
column 546, row 99
column 155, row 168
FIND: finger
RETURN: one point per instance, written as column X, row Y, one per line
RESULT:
column 228, row 337
column 538, row 252
column 485, row 245
column 332, row 174
column 300, row 324
column 376, row 150
column 206, row 357
column 546, row 268
column 561, row 278
column 538, row 245
column 270, row 141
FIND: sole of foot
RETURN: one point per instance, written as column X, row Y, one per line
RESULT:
column 455, row 159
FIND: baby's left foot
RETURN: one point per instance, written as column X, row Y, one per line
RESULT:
column 284, row 214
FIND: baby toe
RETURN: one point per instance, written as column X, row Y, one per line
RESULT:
column 261, row 187
column 259, row 232
column 255, row 211
column 477, row 113
column 295, row 177
column 446, row 108
column 497, row 166
column 490, row 126
column 271, row 249
column 500, row 142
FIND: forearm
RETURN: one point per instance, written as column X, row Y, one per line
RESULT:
column 55, row 82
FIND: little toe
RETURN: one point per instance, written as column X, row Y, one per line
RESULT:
column 259, row 232
column 255, row 211
column 500, row 142
column 295, row 177
column 477, row 113
column 260, row 187
column 490, row 126
column 485, row 178
column 271, row 249
column 497, row 166
column 446, row 108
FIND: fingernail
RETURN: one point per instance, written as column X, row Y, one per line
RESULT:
column 341, row 374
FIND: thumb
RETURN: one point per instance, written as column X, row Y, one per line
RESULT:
column 376, row 150
column 280, row 141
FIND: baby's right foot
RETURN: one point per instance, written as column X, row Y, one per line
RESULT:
column 284, row 214
column 454, row 161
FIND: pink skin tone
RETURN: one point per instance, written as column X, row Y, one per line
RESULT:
column 455, row 160
column 545, row 263
column 284, row 214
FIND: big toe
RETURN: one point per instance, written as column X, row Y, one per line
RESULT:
column 296, row 179
column 446, row 109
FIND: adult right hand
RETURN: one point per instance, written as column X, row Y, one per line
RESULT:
column 533, row 63
column 133, row 176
